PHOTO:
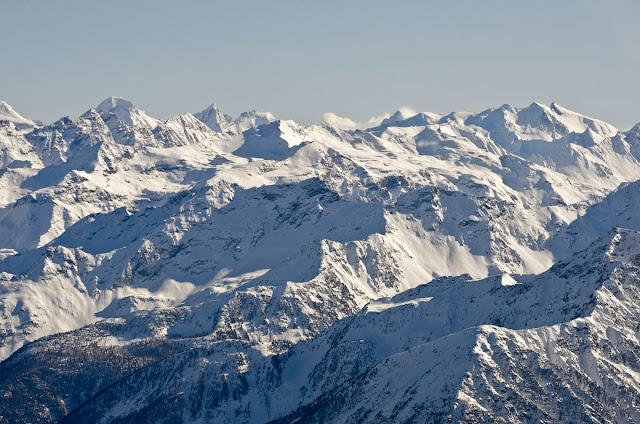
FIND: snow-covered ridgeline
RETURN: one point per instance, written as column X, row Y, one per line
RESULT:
column 261, row 233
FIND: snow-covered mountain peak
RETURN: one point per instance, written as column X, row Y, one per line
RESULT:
column 419, row 120
column 211, row 109
column 510, row 127
column 634, row 132
column 253, row 119
column 125, row 111
column 182, row 130
column 216, row 120
column 276, row 140
column 554, row 114
column 111, row 104
column 508, row 107
column 537, row 106
column 187, row 118
column 553, row 109
column 7, row 113
column 587, row 138
column 399, row 115
column 92, row 114
column 242, row 261
column 456, row 118
column 491, row 346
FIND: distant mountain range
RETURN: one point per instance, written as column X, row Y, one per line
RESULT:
column 469, row 267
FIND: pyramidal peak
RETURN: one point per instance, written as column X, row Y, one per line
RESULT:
column 634, row 132
column 587, row 138
column 217, row 121
column 220, row 122
column 400, row 115
column 539, row 108
column 7, row 113
column 5, row 107
column 212, row 107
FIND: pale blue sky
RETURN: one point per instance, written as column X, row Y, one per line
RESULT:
column 298, row 59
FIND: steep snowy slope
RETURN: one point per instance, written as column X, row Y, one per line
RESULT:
column 551, row 347
column 618, row 209
column 213, row 118
column 17, row 159
column 453, row 201
column 563, row 347
column 258, row 234
column 7, row 113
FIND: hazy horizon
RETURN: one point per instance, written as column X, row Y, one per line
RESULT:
column 300, row 59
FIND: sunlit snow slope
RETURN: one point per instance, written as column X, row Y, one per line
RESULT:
column 262, row 261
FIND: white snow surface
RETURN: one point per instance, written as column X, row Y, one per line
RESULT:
column 7, row 113
column 455, row 349
column 263, row 233
column 463, row 193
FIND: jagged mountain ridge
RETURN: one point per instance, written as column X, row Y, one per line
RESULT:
column 499, row 342
column 265, row 233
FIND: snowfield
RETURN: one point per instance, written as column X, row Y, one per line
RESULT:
column 469, row 267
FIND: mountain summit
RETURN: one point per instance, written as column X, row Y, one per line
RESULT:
column 467, row 267
column 216, row 120
column 112, row 104
column 126, row 112
column 7, row 113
